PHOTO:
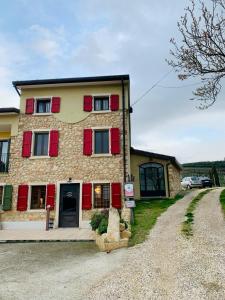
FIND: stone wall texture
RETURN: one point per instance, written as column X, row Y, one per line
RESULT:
column 70, row 163
column 174, row 180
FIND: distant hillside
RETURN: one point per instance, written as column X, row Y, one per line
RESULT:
column 206, row 164
column 206, row 168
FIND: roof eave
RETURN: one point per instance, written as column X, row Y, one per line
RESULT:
column 9, row 111
column 172, row 159
column 71, row 81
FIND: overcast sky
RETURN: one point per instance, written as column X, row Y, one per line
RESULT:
column 56, row 38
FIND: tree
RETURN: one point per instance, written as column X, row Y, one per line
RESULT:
column 202, row 51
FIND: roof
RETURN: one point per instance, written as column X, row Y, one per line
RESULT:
column 72, row 80
column 9, row 110
column 172, row 159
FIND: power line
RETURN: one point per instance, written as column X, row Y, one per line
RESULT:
column 151, row 88
column 179, row 87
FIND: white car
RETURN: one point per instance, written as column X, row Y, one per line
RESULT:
column 191, row 182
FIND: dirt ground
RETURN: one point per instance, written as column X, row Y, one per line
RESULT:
column 64, row 270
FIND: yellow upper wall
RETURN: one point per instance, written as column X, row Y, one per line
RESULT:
column 71, row 110
column 9, row 124
column 5, row 135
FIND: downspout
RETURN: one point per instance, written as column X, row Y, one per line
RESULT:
column 124, row 130
column 168, row 179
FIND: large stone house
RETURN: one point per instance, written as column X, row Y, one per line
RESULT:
column 66, row 148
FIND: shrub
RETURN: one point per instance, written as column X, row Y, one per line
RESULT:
column 99, row 221
column 102, row 228
column 96, row 220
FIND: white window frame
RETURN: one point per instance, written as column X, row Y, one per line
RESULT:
column 33, row 143
column 35, row 105
column 93, row 193
column 93, row 103
column 93, row 141
column 29, row 196
column 3, row 185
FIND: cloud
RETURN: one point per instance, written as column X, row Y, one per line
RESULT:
column 94, row 37
column 50, row 44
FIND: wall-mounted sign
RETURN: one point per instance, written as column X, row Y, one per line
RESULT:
column 129, row 189
column 130, row 203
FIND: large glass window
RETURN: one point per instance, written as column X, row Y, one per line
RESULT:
column 101, row 103
column 41, row 143
column 43, row 105
column 102, row 195
column 152, row 181
column 101, row 141
column 38, row 194
column 4, row 155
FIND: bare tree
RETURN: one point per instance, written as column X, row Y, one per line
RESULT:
column 202, row 51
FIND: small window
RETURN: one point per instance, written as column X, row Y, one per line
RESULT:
column 102, row 195
column 101, row 141
column 4, row 155
column 1, row 197
column 43, row 106
column 38, row 194
column 101, row 103
column 41, row 143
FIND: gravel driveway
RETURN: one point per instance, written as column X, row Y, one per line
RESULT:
column 52, row 270
column 167, row 265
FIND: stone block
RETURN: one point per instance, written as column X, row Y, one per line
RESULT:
column 125, row 234
column 113, row 230
column 125, row 214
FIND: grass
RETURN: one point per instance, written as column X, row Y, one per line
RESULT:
column 146, row 213
column 222, row 201
column 187, row 229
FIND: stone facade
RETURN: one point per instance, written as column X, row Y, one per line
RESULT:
column 174, row 180
column 70, row 163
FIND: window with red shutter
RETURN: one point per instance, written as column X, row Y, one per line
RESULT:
column 115, row 141
column 87, row 143
column 56, row 104
column 30, row 106
column 86, row 196
column 22, row 197
column 114, row 102
column 116, row 194
column 87, row 103
column 27, row 140
column 54, row 143
column 50, row 196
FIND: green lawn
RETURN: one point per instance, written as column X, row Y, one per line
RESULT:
column 222, row 200
column 146, row 213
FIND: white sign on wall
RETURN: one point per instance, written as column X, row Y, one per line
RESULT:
column 129, row 189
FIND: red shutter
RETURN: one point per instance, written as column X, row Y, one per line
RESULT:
column 115, row 141
column 116, row 194
column 27, row 140
column 22, row 197
column 86, row 196
column 56, row 104
column 50, row 200
column 30, row 106
column 114, row 102
column 87, row 103
column 87, row 143
column 54, row 143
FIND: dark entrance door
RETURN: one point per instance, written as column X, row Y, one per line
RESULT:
column 69, row 205
column 152, row 180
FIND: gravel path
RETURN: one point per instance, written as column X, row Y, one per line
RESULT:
column 167, row 265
